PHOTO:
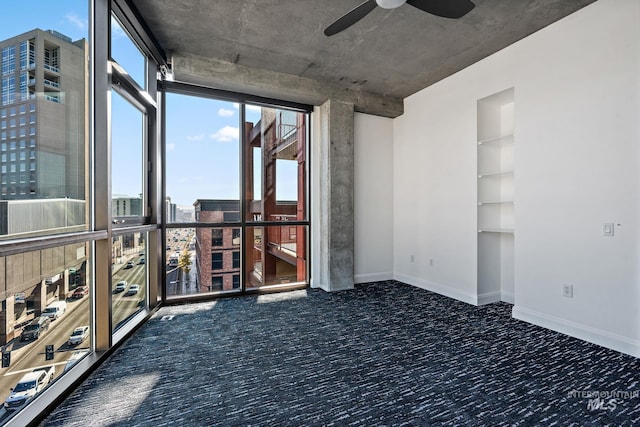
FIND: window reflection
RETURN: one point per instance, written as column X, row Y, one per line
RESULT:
column 127, row 137
column 127, row 54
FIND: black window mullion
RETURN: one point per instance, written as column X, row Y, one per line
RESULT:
column 243, row 197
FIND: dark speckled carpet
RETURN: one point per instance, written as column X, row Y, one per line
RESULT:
column 383, row 354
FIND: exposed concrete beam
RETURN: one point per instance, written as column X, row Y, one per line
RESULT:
column 255, row 81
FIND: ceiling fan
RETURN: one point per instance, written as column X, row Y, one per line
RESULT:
column 444, row 8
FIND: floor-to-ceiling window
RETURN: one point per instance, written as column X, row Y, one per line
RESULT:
column 46, row 232
column 236, row 195
column 276, row 142
column 98, row 221
column 129, row 192
column 132, row 116
column 79, row 199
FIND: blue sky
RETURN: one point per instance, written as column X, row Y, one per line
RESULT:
column 202, row 134
column 66, row 16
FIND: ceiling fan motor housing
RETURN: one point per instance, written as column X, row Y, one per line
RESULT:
column 390, row 4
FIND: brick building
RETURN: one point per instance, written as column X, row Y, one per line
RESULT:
column 217, row 248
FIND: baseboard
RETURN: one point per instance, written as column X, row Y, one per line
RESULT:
column 577, row 330
column 447, row 291
column 507, row 297
column 325, row 286
column 372, row 277
column 489, row 298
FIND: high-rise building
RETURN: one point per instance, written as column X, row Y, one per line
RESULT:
column 122, row 205
column 43, row 156
column 43, row 126
column 171, row 210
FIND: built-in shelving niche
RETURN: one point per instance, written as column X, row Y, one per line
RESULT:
column 496, row 197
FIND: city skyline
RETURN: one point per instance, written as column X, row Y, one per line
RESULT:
column 200, row 161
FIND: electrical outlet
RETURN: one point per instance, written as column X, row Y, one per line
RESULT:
column 567, row 291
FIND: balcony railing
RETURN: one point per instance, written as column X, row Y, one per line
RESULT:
column 283, row 238
column 282, row 217
column 51, row 68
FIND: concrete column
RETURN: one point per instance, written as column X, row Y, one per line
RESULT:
column 64, row 292
column 7, row 320
column 40, row 299
column 334, row 213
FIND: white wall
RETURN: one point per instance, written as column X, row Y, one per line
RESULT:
column 373, row 198
column 577, row 111
column 317, row 279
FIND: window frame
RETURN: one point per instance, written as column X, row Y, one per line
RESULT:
column 124, row 86
column 181, row 88
column 216, row 261
column 100, row 228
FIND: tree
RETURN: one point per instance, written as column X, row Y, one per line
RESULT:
column 184, row 263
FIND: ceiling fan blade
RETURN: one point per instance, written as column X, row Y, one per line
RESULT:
column 350, row 18
column 444, row 8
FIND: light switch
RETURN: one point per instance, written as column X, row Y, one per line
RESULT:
column 607, row 229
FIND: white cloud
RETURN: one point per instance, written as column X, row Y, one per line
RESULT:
column 226, row 134
column 116, row 29
column 171, row 147
column 79, row 22
column 249, row 107
column 222, row 112
column 195, row 137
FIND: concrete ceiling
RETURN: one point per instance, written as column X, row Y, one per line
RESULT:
column 391, row 53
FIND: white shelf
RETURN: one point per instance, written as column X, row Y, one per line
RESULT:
column 496, row 230
column 499, row 140
column 496, row 193
column 496, row 174
column 495, row 202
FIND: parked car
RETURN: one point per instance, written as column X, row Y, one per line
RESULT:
column 33, row 330
column 129, row 265
column 78, row 335
column 133, row 289
column 29, row 386
column 80, row 292
column 74, row 358
column 120, row 287
column 55, row 309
